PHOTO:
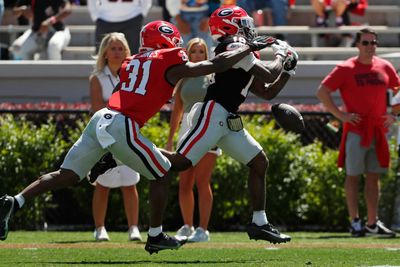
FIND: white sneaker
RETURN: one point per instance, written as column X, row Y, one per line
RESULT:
column 134, row 234
column 199, row 235
column 185, row 230
column 100, row 234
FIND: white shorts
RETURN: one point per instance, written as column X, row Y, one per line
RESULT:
column 208, row 128
column 111, row 131
column 185, row 127
column 118, row 177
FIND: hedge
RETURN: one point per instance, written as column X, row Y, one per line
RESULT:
column 304, row 186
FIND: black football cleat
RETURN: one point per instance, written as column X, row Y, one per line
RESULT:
column 104, row 164
column 6, row 209
column 163, row 241
column 266, row 232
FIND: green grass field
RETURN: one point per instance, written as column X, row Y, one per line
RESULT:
column 224, row 249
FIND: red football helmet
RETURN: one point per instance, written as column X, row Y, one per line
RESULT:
column 230, row 20
column 159, row 34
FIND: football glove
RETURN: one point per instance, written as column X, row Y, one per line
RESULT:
column 290, row 63
column 104, row 164
column 261, row 42
column 280, row 48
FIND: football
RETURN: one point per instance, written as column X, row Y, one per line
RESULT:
column 288, row 117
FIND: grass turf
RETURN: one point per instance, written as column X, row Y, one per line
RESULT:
column 225, row 249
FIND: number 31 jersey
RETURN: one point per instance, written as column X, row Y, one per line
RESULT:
column 143, row 88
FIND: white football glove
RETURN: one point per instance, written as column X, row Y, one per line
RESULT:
column 280, row 48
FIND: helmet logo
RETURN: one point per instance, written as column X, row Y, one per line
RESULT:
column 225, row 12
column 165, row 29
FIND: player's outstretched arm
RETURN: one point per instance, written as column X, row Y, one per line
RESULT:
column 269, row 91
column 221, row 62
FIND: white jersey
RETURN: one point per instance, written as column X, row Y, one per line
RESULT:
column 117, row 11
column 108, row 82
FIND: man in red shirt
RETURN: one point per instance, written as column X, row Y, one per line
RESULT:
column 147, row 81
column 362, row 82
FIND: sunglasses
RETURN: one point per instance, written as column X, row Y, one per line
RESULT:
column 373, row 42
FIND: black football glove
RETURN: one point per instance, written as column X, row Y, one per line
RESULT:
column 104, row 164
column 261, row 42
column 290, row 63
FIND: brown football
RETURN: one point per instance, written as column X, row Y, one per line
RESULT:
column 288, row 117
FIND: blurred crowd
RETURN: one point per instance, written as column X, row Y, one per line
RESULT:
column 49, row 35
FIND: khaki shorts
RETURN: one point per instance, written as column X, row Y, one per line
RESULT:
column 129, row 146
column 361, row 159
column 208, row 128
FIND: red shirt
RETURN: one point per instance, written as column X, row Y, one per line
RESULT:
column 363, row 91
column 143, row 88
column 363, row 87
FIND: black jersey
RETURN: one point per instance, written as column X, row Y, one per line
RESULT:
column 229, row 88
column 42, row 10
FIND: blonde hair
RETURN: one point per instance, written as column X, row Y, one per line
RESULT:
column 101, row 60
column 196, row 41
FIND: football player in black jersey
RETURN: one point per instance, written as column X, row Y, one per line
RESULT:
column 216, row 122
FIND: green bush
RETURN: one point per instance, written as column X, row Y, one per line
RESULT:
column 27, row 151
column 304, row 186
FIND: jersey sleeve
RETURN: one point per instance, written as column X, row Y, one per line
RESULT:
column 175, row 56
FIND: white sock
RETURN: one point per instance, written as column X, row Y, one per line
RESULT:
column 20, row 199
column 155, row 231
column 260, row 217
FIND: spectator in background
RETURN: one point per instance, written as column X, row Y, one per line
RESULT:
column 279, row 10
column 323, row 7
column 48, row 33
column 119, row 16
column 341, row 9
column 362, row 82
column 165, row 13
column 187, row 93
column 112, row 52
column 191, row 17
column 1, row 10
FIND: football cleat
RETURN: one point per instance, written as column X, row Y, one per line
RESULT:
column 104, row 164
column 6, row 209
column 161, row 242
column 266, row 232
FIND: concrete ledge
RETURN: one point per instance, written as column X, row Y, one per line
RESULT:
column 305, row 53
column 67, row 81
column 36, row 81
